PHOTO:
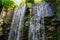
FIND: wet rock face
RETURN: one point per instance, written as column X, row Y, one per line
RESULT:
column 51, row 27
column 5, row 21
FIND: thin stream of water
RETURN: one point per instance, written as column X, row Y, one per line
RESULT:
column 35, row 24
column 17, row 23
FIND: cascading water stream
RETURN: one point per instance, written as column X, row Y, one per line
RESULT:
column 37, row 23
column 17, row 24
column 37, row 27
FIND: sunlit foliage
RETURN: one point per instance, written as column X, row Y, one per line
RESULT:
column 8, row 3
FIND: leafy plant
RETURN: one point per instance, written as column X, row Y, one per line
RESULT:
column 8, row 3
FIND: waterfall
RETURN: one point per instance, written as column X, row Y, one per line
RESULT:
column 17, row 24
column 37, row 23
column 36, row 27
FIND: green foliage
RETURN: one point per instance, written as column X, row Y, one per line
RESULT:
column 58, row 11
column 26, row 1
column 57, row 0
column 31, row 1
column 7, row 3
column 0, row 2
column 38, row 1
column 22, row 3
column 49, row 0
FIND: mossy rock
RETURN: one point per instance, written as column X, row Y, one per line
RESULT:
column 37, row 1
column 6, row 20
column 1, row 31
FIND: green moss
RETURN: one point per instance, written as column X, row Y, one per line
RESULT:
column 30, row 1
column 6, row 20
column 58, row 11
column 1, row 31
